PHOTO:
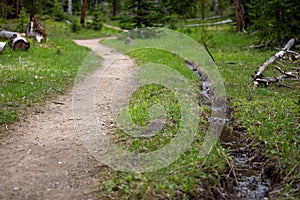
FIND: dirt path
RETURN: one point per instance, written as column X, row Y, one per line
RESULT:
column 43, row 157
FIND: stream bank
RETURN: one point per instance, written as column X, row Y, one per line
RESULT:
column 247, row 179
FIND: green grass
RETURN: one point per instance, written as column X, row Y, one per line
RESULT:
column 61, row 29
column 31, row 77
column 147, row 96
column 270, row 115
column 190, row 176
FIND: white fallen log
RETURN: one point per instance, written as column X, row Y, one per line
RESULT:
column 19, row 42
column 39, row 37
column 16, row 40
column 36, row 30
column 2, row 45
column 267, row 80
column 227, row 21
column 280, row 54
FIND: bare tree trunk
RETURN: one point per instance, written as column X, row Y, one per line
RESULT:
column 116, row 7
column 17, row 8
column 240, row 22
column 4, row 9
column 217, row 8
column 202, row 9
column 70, row 8
column 83, row 9
column 32, row 11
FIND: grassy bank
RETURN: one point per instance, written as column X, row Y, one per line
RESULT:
column 270, row 116
column 191, row 176
column 47, row 69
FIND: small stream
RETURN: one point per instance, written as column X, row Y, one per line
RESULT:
column 249, row 180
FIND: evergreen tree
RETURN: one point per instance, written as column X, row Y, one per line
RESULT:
column 145, row 13
column 185, row 8
column 276, row 20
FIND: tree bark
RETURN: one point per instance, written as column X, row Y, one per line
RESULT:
column 202, row 9
column 239, row 15
column 32, row 11
column 83, row 9
column 4, row 9
column 217, row 8
column 70, row 8
column 17, row 8
column 116, row 7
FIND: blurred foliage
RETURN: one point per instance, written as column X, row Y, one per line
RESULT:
column 276, row 21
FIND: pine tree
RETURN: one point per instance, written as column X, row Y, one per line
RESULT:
column 145, row 13
column 276, row 20
column 185, row 8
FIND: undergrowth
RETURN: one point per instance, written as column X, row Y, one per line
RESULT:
column 269, row 114
column 190, row 176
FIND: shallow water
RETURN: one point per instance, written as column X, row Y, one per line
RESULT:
column 250, row 183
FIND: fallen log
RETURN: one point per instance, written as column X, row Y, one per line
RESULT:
column 267, row 80
column 258, row 46
column 211, row 23
column 290, row 76
column 2, row 45
column 19, row 42
column 280, row 54
column 16, row 40
column 36, row 29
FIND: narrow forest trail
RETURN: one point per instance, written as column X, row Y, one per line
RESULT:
column 43, row 157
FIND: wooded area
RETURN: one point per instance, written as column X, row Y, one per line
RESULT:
column 252, row 44
column 276, row 21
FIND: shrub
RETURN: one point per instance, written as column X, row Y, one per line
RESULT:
column 97, row 20
column 21, row 23
column 58, row 13
column 276, row 20
column 75, row 25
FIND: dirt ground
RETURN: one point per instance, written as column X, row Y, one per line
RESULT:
column 43, row 157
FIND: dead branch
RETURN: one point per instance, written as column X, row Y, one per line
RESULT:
column 280, row 54
column 286, row 76
column 258, row 46
column 286, row 73
column 258, row 77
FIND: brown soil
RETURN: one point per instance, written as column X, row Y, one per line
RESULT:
column 43, row 157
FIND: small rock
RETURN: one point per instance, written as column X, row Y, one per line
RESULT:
column 59, row 162
column 16, row 188
column 128, row 40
